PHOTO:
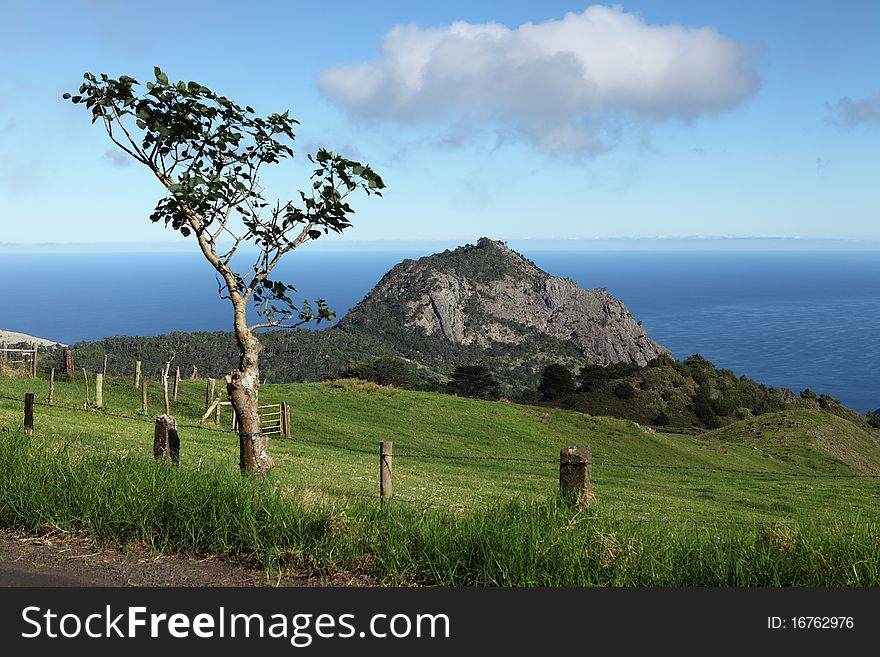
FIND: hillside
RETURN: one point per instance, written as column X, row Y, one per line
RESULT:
column 13, row 337
column 463, row 453
column 688, row 393
column 762, row 503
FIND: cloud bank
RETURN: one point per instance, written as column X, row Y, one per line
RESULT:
column 559, row 83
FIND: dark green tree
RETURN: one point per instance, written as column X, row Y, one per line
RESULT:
column 208, row 153
column 385, row 370
column 474, row 381
column 556, row 382
column 624, row 390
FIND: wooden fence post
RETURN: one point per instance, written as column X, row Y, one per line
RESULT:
column 137, row 374
column 104, row 369
column 99, row 390
column 29, row 412
column 165, row 389
column 86, row 379
column 575, row 474
column 166, row 441
column 209, row 393
column 176, row 383
column 52, row 386
column 34, row 362
column 385, row 454
column 210, row 410
column 195, row 374
column 285, row 420
column 3, row 356
column 144, row 395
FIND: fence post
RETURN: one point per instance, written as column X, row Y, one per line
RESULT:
column 209, row 393
column 86, row 379
column 104, row 369
column 575, row 474
column 285, row 420
column 144, row 395
column 385, row 455
column 99, row 390
column 29, row 412
column 176, row 382
column 34, row 362
column 195, row 374
column 166, row 441
column 137, row 374
column 165, row 391
column 52, row 386
column 3, row 356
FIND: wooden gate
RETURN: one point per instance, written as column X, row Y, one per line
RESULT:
column 275, row 420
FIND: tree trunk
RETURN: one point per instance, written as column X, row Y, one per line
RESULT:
column 244, row 389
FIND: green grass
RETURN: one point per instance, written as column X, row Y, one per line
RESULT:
column 456, row 521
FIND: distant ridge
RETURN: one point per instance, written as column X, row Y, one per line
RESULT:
column 12, row 337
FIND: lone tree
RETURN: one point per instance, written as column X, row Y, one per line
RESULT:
column 474, row 381
column 556, row 382
column 207, row 152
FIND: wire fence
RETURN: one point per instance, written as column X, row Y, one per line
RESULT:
column 416, row 456
column 426, row 456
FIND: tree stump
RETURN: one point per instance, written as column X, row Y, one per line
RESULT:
column 575, row 473
column 166, row 441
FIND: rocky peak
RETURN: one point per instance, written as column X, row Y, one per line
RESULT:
column 487, row 294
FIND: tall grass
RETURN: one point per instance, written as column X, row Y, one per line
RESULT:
column 216, row 511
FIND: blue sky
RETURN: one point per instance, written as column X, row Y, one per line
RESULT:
column 517, row 120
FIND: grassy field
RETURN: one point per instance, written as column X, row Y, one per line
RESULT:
column 726, row 506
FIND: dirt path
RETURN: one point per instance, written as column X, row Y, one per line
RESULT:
column 59, row 559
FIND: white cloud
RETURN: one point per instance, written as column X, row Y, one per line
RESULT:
column 560, row 83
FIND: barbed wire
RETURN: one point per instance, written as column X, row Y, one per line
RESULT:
column 483, row 458
column 98, row 412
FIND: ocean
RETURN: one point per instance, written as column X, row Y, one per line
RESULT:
column 789, row 318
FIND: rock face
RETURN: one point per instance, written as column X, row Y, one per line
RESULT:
column 488, row 296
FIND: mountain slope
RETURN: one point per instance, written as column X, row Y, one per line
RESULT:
column 490, row 296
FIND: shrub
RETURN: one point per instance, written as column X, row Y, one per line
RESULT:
column 385, row 370
column 625, row 390
column 556, row 382
column 474, row 381
column 827, row 401
column 663, row 360
column 660, row 419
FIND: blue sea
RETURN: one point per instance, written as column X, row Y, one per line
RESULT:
column 787, row 318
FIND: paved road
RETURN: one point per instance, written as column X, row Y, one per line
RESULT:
column 17, row 574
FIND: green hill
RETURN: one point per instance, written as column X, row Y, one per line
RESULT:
column 785, row 499
column 464, row 454
column 808, row 438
